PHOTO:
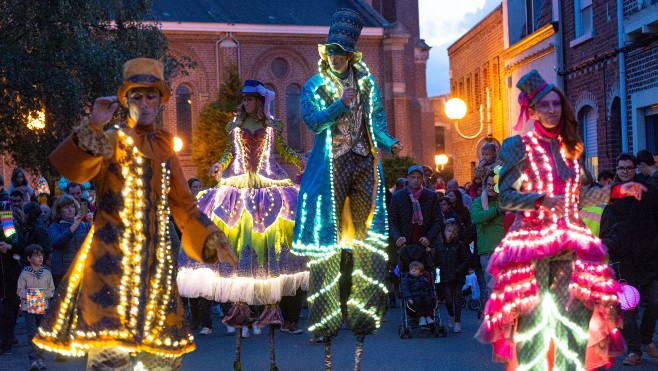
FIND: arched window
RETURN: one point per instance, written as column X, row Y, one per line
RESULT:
column 588, row 130
column 184, row 116
column 293, row 117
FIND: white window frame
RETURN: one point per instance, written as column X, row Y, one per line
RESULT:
column 579, row 7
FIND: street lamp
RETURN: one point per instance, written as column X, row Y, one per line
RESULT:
column 440, row 162
column 178, row 144
column 455, row 109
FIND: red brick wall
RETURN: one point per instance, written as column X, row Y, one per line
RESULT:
column 592, row 69
column 474, row 52
column 257, row 51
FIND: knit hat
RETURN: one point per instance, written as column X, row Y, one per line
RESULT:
column 344, row 31
column 532, row 87
column 143, row 73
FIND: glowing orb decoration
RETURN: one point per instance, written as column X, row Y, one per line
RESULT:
column 36, row 120
column 629, row 297
column 178, row 144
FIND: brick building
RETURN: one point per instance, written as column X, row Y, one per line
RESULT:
column 640, row 36
column 518, row 36
column 475, row 77
column 591, row 78
column 276, row 41
column 612, row 84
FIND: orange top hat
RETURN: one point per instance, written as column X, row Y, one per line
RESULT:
column 143, row 73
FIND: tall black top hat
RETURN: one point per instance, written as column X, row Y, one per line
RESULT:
column 344, row 31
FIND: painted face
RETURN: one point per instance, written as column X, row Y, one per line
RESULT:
column 625, row 170
column 548, row 110
column 415, row 180
column 143, row 105
column 338, row 58
column 249, row 103
column 67, row 212
column 76, row 193
column 196, row 188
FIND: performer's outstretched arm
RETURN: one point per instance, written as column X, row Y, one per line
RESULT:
column 88, row 147
column 378, row 117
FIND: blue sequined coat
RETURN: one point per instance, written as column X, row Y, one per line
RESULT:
column 315, row 225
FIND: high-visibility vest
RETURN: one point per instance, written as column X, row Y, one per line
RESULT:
column 591, row 216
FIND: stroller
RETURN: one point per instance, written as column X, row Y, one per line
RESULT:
column 471, row 292
column 409, row 318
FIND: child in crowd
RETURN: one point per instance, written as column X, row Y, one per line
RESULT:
column 453, row 259
column 418, row 290
column 488, row 161
column 35, row 287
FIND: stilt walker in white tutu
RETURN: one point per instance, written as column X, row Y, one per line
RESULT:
column 254, row 204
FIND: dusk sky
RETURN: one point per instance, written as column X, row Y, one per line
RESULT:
column 442, row 22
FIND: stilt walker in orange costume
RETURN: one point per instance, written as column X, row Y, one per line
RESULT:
column 120, row 296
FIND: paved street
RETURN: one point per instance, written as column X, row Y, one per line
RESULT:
column 383, row 351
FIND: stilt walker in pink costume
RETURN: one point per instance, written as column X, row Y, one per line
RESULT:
column 254, row 204
column 554, row 303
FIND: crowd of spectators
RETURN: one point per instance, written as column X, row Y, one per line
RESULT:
column 432, row 225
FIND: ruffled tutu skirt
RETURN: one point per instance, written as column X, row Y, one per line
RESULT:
column 560, row 271
column 259, row 225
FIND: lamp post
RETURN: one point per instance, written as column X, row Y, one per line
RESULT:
column 455, row 109
column 440, row 162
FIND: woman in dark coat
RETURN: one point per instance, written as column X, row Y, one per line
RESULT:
column 66, row 235
column 36, row 231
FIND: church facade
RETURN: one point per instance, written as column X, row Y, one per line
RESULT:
column 276, row 42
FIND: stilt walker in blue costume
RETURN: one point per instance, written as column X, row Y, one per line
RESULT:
column 341, row 224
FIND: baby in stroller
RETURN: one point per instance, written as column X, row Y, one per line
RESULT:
column 417, row 289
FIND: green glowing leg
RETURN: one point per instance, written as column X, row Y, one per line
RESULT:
column 324, row 313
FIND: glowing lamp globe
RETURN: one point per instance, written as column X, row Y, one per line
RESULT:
column 178, row 144
column 629, row 297
column 455, row 109
column 440, row 160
